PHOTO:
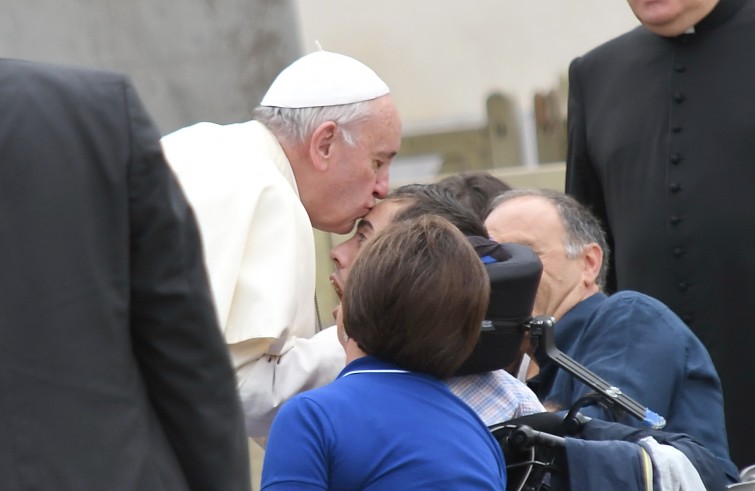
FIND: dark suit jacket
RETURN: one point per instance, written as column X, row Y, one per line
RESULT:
column 113, row 373
column 662, row 148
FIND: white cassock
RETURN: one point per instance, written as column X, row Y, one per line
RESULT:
column 260, row 256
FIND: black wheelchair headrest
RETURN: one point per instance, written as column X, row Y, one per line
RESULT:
column 514, row 271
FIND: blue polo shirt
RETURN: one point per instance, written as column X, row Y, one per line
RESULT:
column 377, row 427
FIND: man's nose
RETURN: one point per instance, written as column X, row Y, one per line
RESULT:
column 381, row 185
column 335, row 257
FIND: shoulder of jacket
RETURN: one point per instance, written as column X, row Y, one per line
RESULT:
column 610, row 49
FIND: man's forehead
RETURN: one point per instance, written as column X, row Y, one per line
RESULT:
column 381, row 215
column 524, row 211
column 521, row 215
column 523, row 204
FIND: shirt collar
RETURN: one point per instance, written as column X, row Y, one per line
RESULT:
column 570, row 326
column 274, row 150
column 566, row 331
column 368, row 363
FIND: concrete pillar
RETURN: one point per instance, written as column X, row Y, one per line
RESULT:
column 191, row 60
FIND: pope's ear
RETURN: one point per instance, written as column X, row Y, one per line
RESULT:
column 321, row 145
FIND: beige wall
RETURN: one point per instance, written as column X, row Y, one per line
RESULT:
column 441, row 57
column 191, row 60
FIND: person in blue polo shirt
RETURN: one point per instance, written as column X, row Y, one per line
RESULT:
column 389, row 421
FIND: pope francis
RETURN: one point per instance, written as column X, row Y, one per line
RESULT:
column 316, row 155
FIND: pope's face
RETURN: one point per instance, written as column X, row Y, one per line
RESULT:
column 343, row 255
column 358, row 175
column 670, row 17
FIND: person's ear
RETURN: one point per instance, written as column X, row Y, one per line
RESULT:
column 321, row 145
column 592, row 256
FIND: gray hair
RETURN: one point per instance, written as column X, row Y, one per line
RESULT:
column 581, row 227
column 297, row 125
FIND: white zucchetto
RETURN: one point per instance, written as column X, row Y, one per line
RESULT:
column 324, row 78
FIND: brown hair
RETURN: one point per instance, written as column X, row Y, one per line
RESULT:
column 416, row 296
column 474, row 190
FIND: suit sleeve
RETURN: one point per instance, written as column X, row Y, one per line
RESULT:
column 582, row 181
column 183, row 359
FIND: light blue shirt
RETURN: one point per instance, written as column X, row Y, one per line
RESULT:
column 496, row 396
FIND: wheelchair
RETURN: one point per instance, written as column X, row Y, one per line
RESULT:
column 536, row 447
column 537, row 453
